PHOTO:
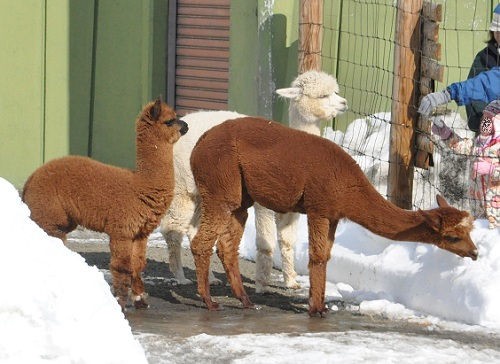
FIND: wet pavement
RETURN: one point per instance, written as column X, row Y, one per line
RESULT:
column 176, row 313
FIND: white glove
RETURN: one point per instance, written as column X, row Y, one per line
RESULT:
column 430, row 101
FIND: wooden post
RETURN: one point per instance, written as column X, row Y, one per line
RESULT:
column 405, row 103
column 310, row 34
column 431, row 71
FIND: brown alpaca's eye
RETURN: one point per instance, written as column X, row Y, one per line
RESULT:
column 452, row 239
column 170, row 122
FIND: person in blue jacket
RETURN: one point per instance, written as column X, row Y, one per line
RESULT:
column 485, row 60
column 484, row 87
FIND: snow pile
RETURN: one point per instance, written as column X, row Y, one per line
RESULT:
column 367, row 141
column 382, row 274
column 54, row 307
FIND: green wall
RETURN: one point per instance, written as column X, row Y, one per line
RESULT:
column 22, row 97
column 80, row 77
column 122, row 70
column 76, row 73
column 243, row 62
column 263, row 55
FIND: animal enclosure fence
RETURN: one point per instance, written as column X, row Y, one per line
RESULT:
column 360, row 40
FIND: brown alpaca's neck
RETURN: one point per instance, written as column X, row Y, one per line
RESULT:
column 383, row 218
column 154, row 158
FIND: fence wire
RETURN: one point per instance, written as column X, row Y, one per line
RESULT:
column 358, row 48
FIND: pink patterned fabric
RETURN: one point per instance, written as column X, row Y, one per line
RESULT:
column 485, row 174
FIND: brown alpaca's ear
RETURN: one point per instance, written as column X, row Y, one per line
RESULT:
column 441, row 201
column 155, row 111
column 432, row 219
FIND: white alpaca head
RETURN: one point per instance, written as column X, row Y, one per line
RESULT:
column 314, row 96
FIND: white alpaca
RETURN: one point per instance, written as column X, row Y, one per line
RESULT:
column 183, row 215
column 313, row 98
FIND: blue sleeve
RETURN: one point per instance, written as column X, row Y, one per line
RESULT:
column 484, row 87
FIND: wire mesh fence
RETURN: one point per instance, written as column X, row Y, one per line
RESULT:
column 359, row 39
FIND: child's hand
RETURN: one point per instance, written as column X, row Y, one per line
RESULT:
column 430, row 101
column 439, row 128
column 438, row 122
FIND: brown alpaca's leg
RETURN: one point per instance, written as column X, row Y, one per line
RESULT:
column 201, row 247
column 55, row 232
column 54, row 221
column 227, row 250
column 321, row 235
column 121, row 268
column 138, row 265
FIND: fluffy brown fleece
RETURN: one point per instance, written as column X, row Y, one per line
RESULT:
column 252, row 160
column 127, row 205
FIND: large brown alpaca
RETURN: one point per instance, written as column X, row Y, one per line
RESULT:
column 252, row 160
column 127, row 205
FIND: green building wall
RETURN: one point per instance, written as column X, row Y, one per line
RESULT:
column 76, row 73
column 22, row 95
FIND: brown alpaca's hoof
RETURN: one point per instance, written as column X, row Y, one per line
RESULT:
column 213, row 306
column 140, row 302
column 123, row 303
column 315, row 311
column 246, row 302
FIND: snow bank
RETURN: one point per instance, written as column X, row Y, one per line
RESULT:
column 54, row 307
column 379, row 273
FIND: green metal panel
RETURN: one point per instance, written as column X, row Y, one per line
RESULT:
column 123, row 73
column 159, row 48
column 284, row 52
column 56, row 138
column 244, row 58
column 22, row 70
column 263, row 55
column 81, row 32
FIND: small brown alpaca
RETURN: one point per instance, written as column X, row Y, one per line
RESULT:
column 127, row 205
column 252, row 160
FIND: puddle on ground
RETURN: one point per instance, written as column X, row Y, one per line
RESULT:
column 172, row 324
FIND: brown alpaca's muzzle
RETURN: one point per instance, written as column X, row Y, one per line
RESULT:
column 463, row 248
column 184, row 126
